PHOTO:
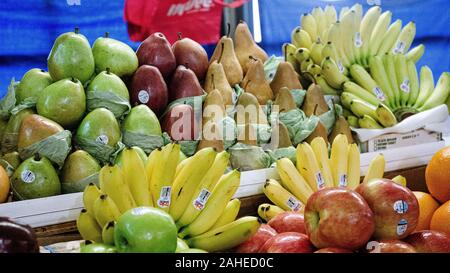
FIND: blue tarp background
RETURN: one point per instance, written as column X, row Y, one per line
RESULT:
column 28, row 28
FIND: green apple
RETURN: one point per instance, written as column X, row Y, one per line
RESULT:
column 140, row 152
column 145, row 230
column 32, row 84
column 97, row 248
column 181, row 245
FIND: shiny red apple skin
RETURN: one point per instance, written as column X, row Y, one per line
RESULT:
column 338, row 217
column 333, row 250
column 180, row 123
column 252, row 245
column 382, row 195
column 390, row 246
column 288, row 222
column 429, row 241
column 288, row 242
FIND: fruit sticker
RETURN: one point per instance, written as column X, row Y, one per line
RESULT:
column 343, row 180
column 320, row 181
column 164, row 197
column 340, row 66
column 293, row 204
column 399, row 48
column 139, row 211
column 379, row 93
column 404, row 86
column 358, row 40
column 200, row 201
column 402, row 226
column 102, row 139
column 143, row 96
column 27, row 176
column 400, row 206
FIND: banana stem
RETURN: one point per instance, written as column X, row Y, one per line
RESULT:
column 77, row 30
column 107, row 34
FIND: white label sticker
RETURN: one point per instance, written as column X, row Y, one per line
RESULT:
column 340, row 66
column 379, row 93
column 202, row 198
column 404, row 86
column 27, row 176
column 293, row 204
column 102, row 139
column 358, row 40
column 402, row 226
column 164, row 197
column 399, row 48
column 400, row 206
column 343, row 180
column 143, row 96
column 139, row 211
column 320, row 181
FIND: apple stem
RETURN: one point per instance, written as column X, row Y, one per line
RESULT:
column 77, row 30
column 73, row 80
column 37, row 157
column 221, row 52
column 108, row 70
column 179, row 35
column 228, row 30
column 107, row 34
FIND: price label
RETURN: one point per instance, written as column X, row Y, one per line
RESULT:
column 143, row 96
column 399, row 48
column 404, row 86
column 293, row 203
column 358, row 40
column 400, row 206
column 28, row 176
column 202, row 198
column 320, row 181
column 379, row 93
column 402, row 226
column 102, row 139
column 164, row 197
column 340, row 66
column 343, row 180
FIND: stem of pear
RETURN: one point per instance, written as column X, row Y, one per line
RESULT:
column 107, row 34
column 212, row 80
column 37, row 157
column 77, row 30
column 228, row 30
column 221, row 52
column 108, row 70
column 179, row 35
column 315, row 109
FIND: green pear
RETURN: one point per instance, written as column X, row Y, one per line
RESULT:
column 32, row 84
column 107, row 82
column 10, row 135
column 12, row 159
column 142, row 120
column 140, row 152
column 114, row 54
column 35, row 128
column 77, row 167
column 35, row 178
column 63, row 101
column 3, row 124
column 71, row 56
column 100, row 126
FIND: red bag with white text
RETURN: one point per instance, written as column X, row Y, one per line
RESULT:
column 197, row 19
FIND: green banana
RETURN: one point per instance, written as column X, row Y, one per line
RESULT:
column 332, row 74
column 360, row 75
column 389, row 67
column 367, row 25
column 385, row 116
column 367, row 122
column 381, row 78
column 416, row 53
column 426, row 86
column 326, row 88
column 402, row 78
column 379, row 30
column 440, row 94
column 405, row 39
column 413, row 82
column 353, row 88
column 353, row 121
column 361, row 108
column 390, row 37
column 227, row 236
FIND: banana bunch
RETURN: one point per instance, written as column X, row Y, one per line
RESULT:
column 316, row 170
column 195, row 192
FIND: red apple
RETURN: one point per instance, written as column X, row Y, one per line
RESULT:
column 395, row 208
column 288, row 242
column 338, row 217
column 148, row 87
column 333, row 250
column 180, row 123
column 429, row 241
column 288, row 222
column 252, row 245
column 389, row 246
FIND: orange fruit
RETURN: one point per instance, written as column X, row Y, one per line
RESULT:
column 437, row 175
column 4, row 185
column 427, row 206
column 441, row 218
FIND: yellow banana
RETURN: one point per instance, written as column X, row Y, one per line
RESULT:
column 281, row 196
column 292, row 180
column 88, row 228
column 353, row 168
column 376, row 168
column 302, row 54
column 316, row 52
column 227, row 236
column 204, row 189
column 368, row 122
column 378, row 32
column 302, row 168
column 135, row 176
column 113, row 184
column 153, row 158
column 309, row 24
column 399, row 179
column 90, row 194
column 319, row 17
column 105, row 210
column 300, row 38
column 108, row 233
column 320, row 149
column 181, row 165
column 330, row 15
column 339, row 160
column 268, row 211
column 416, row 53
column 215, row 205
column 163, row 176
column 229, row 214
column 188, row 179
column 312, row 165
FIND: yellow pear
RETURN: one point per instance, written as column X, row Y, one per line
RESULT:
column 255, row 82
column 245, row 46
column 248, row 135
column 284, row 100
column 248, row 110
column 341, row 126
column 285, row 76
column 216, row 79
column 280, row 137
column 213, row 113
column 314, row 102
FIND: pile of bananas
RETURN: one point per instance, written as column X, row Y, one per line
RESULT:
column 367, row 56
column 314, row 171
column 195, row 192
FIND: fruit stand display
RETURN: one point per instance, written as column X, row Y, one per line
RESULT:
column 165, row 150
